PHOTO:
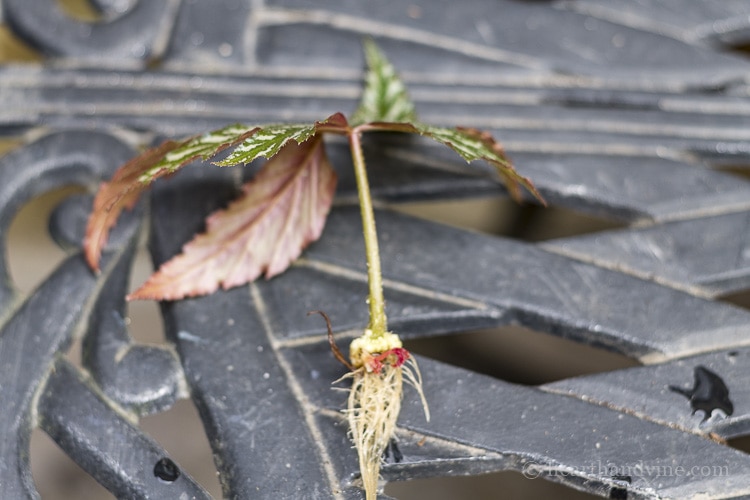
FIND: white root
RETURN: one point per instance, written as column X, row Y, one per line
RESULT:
column 373, row 408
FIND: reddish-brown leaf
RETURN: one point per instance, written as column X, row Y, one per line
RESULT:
column 280, row 212
column 121, row 192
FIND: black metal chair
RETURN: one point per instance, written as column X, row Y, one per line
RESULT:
column 619, row 109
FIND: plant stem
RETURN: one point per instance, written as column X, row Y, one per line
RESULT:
column 378, row 322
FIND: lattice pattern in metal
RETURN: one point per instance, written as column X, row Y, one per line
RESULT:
column 613, row 108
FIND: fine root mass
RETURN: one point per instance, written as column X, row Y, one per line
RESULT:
column 373, row 408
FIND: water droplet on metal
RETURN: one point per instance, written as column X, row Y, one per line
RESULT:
column 197, row 38
column 225, row 50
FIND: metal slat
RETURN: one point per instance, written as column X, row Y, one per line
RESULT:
column 670, row 254
column 113, row 450
column 646, row 392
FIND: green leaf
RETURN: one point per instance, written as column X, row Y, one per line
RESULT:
column 473, row 144
column 266, row 142
column 247, row 142
column 203, row 146
column 385, row 98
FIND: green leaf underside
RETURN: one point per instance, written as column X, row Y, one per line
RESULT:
column 385, row 98
column 281, row 211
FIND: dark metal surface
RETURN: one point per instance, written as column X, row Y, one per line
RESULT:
column 619, row 109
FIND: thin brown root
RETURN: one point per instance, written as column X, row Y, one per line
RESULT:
column 332, row 342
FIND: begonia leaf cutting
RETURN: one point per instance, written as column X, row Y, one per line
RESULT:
column 280, row 211
column 285, row 207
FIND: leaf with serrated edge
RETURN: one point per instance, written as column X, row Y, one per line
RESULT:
column 471, row 144
column 268, row 140
column 282, row 210
column 204, row 146
column 385, row 98
column 130, row 180
column 474, row 144
column 121, row 192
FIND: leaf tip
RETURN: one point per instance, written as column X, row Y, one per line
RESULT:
column 151, row 291
column 93, row 241
column 385, row 97
column 92, row 260
column 143, row 293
